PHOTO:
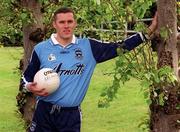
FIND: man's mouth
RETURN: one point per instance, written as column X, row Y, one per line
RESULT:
column 66, row 31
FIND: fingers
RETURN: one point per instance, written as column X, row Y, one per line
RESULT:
column 154, row 24
column 41, row 92
column 178, row 36
column 33, row 84
column 32, row 87
column 155, row 18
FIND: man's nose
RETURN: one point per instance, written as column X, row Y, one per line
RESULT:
column 66, row 24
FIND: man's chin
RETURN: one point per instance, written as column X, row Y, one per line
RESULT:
column 68, row 36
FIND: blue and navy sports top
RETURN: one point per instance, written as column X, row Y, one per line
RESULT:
column 74, row 63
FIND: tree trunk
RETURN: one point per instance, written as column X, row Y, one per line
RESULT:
column 32, row 34
column 166, row 118
column 35, row 9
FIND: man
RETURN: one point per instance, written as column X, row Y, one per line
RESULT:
column 74, row 60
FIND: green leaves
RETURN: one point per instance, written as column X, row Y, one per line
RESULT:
column 160, row 77
column 97, row 2
column 25, row 17
column 140, row 6
column 165, row 32
column 157, row 81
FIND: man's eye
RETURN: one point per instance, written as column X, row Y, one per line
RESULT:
column 61, row 22
column 70, row 21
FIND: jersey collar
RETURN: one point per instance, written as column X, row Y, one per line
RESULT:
column 55, row 42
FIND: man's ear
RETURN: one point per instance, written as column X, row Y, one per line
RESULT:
column 75, row 23
column 54, row 24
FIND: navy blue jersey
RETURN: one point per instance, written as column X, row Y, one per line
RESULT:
column 74, row 63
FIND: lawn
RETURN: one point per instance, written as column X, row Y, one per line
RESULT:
column 125, row 113
column 9, row 80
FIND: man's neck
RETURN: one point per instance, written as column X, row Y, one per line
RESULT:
column 64, row 42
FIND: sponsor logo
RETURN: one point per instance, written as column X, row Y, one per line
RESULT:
column 76, row 71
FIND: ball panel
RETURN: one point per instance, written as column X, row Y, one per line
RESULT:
column 48, row 79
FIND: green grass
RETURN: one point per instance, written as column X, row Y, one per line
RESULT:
column 9, row 61
column 125, row 113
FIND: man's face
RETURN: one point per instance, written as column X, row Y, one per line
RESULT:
column 64, row 25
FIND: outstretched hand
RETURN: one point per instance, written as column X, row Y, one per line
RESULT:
column 178, row 36
column 32, row 87
column 154, row 24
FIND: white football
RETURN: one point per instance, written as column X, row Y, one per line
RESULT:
column 48, row 79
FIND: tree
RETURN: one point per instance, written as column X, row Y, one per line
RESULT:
column 33, row 32
column 165, row 117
